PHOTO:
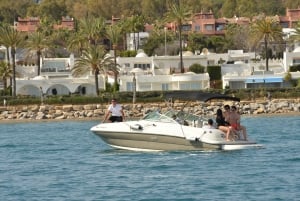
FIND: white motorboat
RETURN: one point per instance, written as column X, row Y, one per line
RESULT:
column 161, row 132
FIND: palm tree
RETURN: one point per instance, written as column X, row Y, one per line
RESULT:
column 77, row 43
column 136, row 24
column 6, row 45
column 268, row 30
column 92, row 29
column 180, row 14
column 5, row 73
column 114, row 34
column 94, row 59
column 13, row 39
column 295, row 37
column 37, row 43
column 125, row 27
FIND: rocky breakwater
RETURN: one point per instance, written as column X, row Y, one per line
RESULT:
column 97, row 111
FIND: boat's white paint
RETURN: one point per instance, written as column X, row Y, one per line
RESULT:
column 161, row 132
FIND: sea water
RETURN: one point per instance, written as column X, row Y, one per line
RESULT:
column 65, row 161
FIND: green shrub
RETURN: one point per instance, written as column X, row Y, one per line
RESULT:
column 144, row 97
column 197, row 68
column 295, row 68
column 214, row 72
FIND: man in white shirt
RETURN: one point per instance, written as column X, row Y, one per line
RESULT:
column 115, row 111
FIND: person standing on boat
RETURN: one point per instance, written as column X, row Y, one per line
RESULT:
column 115, row 111
column 222, row 124
column 235, row 119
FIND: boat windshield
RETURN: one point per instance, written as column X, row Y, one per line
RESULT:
column 156, row 116
column 180, row 117
column 152, row 116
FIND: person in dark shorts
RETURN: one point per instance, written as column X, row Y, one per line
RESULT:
column 115, row 111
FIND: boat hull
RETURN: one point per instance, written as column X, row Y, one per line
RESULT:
column 164, row 134
column 138, row 141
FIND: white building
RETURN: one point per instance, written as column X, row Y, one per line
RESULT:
column 161, row 73
column 136, row 40
column 157, row 73
column 55, row 79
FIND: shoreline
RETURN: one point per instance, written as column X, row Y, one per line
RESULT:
column 91, row 112
column 99, row 119
column 12, row 121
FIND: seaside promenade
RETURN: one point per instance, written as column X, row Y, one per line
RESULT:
column 97, row 111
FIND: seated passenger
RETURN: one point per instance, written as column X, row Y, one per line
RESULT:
column 222, row 124
column 234, row 120
column 210, row 124
column 176, row 119
column 226, row 112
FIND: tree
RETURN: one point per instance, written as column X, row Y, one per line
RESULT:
column 180, row 14
column 77, row 43
column 12, row 9
column 92, row 29
column 295, row 37
column 229, row 8
column 52, row 9
column 13, row 39
column 135, row 25
column 5, row 73
column 37, row 43
column 268, row 30
column 246, row 8
column 238, row 37
column 197, row 68
column 95, row 59
column 196, row 42
column 114, row 34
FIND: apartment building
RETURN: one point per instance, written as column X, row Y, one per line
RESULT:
column 30, row 24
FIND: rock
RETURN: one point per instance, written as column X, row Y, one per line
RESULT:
column 259, row 111
column 34, row 108
column 40, row 115
column 89, row 107
column 77, row 107
column 67, row 108
column 60, row 117
column 90, row 114
column 138, row 110
column 99, row 112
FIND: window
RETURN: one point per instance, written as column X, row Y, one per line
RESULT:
column 220, row 27
column 142, row 66
column 2, row 55
column 184, row 86
column 284, row 25
column 165, row 87
column 209, row 27
column 197, row 28
column 145, row 86
column 186, row 27
column 190, row 86
column 195, row 85
column 296, row 61
column 129, row 86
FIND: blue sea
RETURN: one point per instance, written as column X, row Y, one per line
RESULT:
column 65, row 161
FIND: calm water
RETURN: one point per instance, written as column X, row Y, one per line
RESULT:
column 65, row 161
